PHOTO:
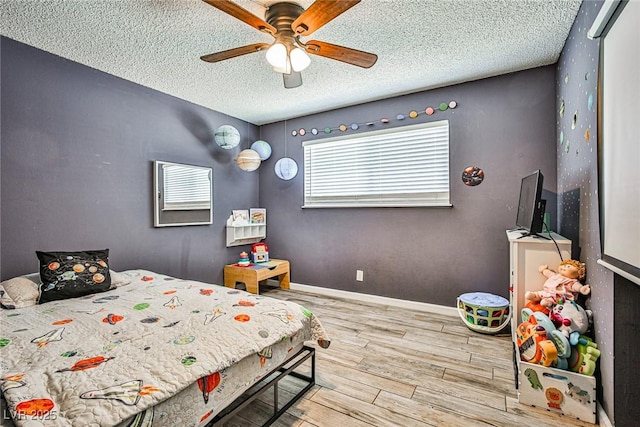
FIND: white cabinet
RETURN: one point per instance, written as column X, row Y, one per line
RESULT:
column 526, row 254
column 244, row 234
column 564, row 392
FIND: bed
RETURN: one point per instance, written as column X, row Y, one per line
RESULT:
column 153, row 350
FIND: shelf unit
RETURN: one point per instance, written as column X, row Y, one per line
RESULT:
column 564, row 392
column 244, row 234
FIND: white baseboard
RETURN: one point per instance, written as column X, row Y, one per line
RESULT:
column 411, row 305
column 603, row 419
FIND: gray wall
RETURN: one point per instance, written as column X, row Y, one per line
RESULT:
column 614, row 300
column 76, row 171
column 504, row 125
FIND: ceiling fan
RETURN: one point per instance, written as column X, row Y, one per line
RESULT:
column 287, row 22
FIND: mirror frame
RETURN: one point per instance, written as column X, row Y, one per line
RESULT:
column 176, row 218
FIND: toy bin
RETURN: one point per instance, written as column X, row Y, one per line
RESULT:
column 564, row 392
column 483, row 312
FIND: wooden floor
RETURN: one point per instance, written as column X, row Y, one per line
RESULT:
column 390, row 366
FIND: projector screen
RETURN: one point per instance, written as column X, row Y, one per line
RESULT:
column 619, row 140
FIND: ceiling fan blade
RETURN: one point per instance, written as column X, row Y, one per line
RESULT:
column 319, row 13
column 292, row 80
column 232, row 53
column 242, row 14
column 341, row 53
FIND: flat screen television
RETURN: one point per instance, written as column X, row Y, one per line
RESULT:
column 531, row 206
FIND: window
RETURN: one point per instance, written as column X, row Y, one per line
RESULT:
column 186, row 187
column 183, row 194
column 407, row 166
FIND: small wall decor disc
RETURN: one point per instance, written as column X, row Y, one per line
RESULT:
column 472, row 176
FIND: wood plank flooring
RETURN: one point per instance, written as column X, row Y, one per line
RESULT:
column 389, row 366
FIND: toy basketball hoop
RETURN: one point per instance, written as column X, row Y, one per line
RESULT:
column 483, row 312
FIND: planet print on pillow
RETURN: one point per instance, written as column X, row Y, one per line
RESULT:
column 73, row 274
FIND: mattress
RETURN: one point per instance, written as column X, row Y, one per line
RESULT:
column 159, row 351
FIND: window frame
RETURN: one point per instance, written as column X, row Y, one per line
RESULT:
column 382, row 140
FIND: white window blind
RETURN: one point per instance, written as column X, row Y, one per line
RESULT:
column 186, row 187
column 407, row 166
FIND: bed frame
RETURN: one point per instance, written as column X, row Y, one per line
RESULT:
column 272, row 380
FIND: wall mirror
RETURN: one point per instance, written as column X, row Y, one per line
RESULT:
column 183, row 194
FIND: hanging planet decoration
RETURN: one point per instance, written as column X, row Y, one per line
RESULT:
column 262, row 148
column 472, row 176
column 227, row 137
column 413, row 114
column 286, row 168
column 248, row 160
column 429, row 111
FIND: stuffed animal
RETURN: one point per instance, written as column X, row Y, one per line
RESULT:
column 571, row 319
column 565, row 284
column 533, row 343
column 584, row 356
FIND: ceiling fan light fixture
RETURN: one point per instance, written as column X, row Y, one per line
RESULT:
column 299, row 59
column 277, row 56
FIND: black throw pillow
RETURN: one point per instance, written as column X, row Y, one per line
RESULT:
column 73, row 274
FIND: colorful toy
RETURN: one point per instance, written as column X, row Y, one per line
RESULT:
column 536, row 306
column 583, row 356
column 533, row 344
column 571, row 319
column 260, row 252
column 483, row 312
column 563, row 284
column 243, row 261
column 559, row 340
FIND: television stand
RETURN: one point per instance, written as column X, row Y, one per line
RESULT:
column 525, row 234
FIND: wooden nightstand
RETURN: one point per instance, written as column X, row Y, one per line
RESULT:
column 252, row 275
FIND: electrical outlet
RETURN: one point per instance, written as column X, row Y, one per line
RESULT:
column 359, row 275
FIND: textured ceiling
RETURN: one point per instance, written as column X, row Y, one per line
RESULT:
column 421, row 44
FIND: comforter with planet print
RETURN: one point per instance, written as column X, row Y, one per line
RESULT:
column 110, row 359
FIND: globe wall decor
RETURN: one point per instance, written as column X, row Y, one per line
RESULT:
column 262, row 148
column 248, row 160
column 227, row 137
column 286, row 168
